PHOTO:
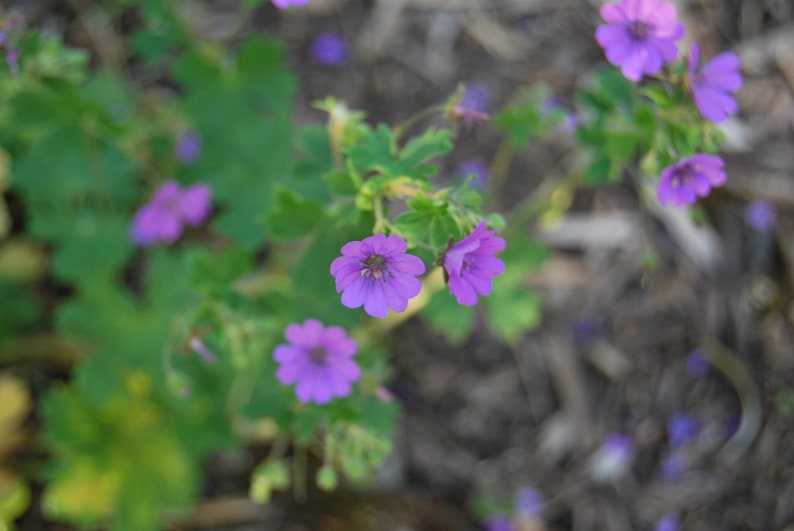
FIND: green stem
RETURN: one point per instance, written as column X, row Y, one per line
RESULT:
column 410, row 122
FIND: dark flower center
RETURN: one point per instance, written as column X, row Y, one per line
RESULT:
column 682, row 177
column 318, row 356
column 374, row 267
column 638, row 30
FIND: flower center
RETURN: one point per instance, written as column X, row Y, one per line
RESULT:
column 318, row 356
column 374, row 267
column 682, row 177
column 638, row 30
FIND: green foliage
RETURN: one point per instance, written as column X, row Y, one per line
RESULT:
column 513, row 307
column 530, row 117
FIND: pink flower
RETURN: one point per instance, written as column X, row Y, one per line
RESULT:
column 318, row 360
column 162, row 219
column 639, row 36
column 714, row 83
column 694, row 176
column 377, row 273
column 284, row 4
column 470, row 265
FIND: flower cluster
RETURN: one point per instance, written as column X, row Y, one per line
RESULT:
column 378, row 274
column 171, row 207
column 640, row 37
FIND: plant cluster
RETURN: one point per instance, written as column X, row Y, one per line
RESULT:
column 210, row 256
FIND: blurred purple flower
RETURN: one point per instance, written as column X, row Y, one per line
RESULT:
column 198, row 346
column 187, row 149
column 284, row 4
column 378, row 273
column 613, row 457
column 681, row 428
column 694, row 176
column 477, row 167
column 529, row 501
column 761, row 215
column 668, row 522
column 497, row 522
column 639, row 36
column 471, row 105
column 12, row 58
column 553, row 109
column 696, row 364
column 319, row 360
column 714, row 83
column 162, row 219
column 470, row 264
column 329, row 49
column 673, row 467
column 586, row 328
column 732, row 425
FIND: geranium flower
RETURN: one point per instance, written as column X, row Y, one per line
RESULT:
column 470, row 265
column 329, row 49
column 761, row 215
column 377, row 273
column 187, row 149
column 694, row 176
column 284, row 4
column 319, row 360
column 714, row 83
column 163, row 218
column 639, row 36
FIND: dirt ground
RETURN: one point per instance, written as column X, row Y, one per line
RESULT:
column 484, row 420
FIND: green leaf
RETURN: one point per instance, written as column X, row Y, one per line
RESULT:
column 293, row 217
column 445, row 315
column 428, row 220
column 97, row 248
column 512, row 309
column 376, row 151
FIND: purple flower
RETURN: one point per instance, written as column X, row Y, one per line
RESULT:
column 673, row 467
column 715, row 82
column 470, row 105
column 639, row 36
column 187, row 149
column 329, row 49
column 476, row 167
column 694, row 176
column 470, row 265
column 12, row 58
column 761, row 215
column 284, row 4
column 319, row 360
column 529, row 501
column 497, row 522
column 377, row 273
column 613, row 456
column 681, row 428
column 696, row 364
column 163, row 218
column 198, row 346
column 668, row 522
